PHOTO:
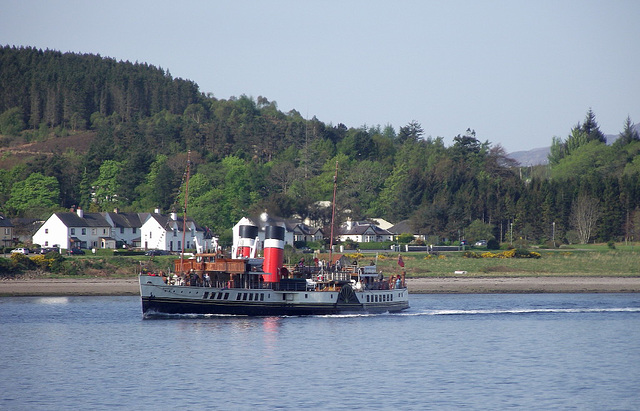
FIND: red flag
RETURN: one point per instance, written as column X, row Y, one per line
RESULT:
column 400, row 261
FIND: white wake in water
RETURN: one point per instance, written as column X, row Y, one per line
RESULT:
column 524, row 311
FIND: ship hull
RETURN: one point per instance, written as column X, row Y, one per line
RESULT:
column 159, row 299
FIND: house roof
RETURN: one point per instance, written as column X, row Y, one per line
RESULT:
column 5, row 222
column 360, row 228
column 88, row 220
column 166, row 220
column 126, row 220
column 302, row 228
column 402, row 227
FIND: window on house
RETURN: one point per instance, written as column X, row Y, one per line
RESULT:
column 150, row 234
column 121, row 230
column 134, row 230
column 104, row 231
column 84, row 231
column 46, row 231
column 46, row 244
column 175, row 233
column 7, row 231
column 73, row 231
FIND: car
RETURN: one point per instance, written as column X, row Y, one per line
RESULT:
column 20, row 250
column 76, row 251
column 156, row 252
column 306, row 250
column 481, row 243
column 46, row 250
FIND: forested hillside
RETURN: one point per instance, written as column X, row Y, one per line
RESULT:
column 88, row 131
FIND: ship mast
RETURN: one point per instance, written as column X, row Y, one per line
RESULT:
column 333, row 213
column 184, row 210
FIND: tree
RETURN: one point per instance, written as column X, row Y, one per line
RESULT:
column 479, row 230
column 34, row 195
column 411, row 132
column 106, row 187
column 629, row 133
column 591, row 128
column 581, row 135
column 11, row 121
column 584, row 215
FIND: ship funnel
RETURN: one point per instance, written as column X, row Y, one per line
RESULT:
column 245, row 235
column 273, row 252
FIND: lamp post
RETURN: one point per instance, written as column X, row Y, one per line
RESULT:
column 553, row 234
column 511, row 235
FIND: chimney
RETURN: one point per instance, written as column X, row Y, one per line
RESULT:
column 80, row 212
column 115, row 210
column 174, row 216
column 157, row 211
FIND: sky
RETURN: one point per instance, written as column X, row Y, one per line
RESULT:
column 517, row 72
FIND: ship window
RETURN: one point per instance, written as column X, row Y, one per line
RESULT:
column 239, row 297
column 306, row 296
column 226, row 296
column 261, row 297
column 206, row 295
column 213, row 295
column 251, row 297
column 391, row 297
column 368, row 298
column 244, row 296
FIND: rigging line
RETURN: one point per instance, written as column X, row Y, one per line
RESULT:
column 184, row 215
column 333, row 213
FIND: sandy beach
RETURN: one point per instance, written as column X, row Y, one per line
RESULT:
column 129, row 286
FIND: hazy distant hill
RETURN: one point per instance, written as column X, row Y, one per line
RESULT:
column 538, row 156
column 531, row 157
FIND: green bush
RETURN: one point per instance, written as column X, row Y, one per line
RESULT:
column 383, row 245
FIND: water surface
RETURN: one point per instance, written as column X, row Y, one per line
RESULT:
column 532, row 351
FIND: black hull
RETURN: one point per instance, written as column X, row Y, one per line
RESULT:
column 152, row 306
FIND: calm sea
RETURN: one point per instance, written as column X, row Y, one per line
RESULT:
column 533, row 351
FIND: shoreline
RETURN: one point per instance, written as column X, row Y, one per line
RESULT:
column 34, row 287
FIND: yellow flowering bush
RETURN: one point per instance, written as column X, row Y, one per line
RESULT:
column 509, row 253
column 513, row 253
column 354, row 256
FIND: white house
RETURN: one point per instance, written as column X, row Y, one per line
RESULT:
column 125, row 227
column 363, row 232
column 163, row 232
column 303, row 232
column 75, row 230
column 111, row 230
